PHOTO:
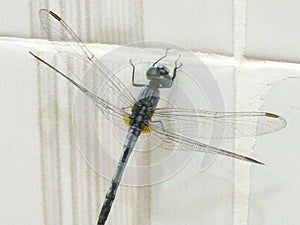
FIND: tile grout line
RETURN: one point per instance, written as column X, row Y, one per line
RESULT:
column 42, row 45
column 42, row 155
column 40, row 125
column 241, row 171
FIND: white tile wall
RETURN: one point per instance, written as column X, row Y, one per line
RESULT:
column 272, row 30
column 20, row 185
column 203, row 25
column 273, row 198
column 200, row 25
column 123, row 20
column 44, row 180
column 15, row 19
column 196, row 194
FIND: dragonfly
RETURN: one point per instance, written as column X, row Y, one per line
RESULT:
column 144, row 116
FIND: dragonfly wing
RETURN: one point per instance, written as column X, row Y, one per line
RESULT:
column 112, row 112
column 174, row 141
column 208, row 124
column 97, row 76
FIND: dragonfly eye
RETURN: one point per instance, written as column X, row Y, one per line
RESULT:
column 163, row 70
column 159, row 73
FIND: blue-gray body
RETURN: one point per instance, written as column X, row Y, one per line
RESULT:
column 139, row 118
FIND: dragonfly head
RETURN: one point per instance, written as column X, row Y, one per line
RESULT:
column 160, row 75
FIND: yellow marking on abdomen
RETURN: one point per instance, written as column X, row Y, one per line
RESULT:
column 145, row 130
column 126, row 119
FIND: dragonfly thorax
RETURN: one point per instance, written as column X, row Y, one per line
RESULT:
column 141, row 114
column 159, row 76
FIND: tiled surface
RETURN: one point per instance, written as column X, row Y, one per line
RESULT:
column 273, row 188
column 72, row 191
column 69, row 191
column 278, row 199
column 205, row 26
column 197, row 194
column 272, row 30
column 15, row 19
column 123, row 20
column 20, row 185
column 45, row 179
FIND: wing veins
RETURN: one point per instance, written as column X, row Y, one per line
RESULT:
column 198, row 146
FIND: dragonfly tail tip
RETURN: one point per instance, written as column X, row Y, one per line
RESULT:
column 254, row 161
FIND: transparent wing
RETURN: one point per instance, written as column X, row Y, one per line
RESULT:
column 114, row 113
column 208, row 124
column 173, row 141
column 97, row 77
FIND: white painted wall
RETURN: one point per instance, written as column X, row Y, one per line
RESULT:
column 250, row 48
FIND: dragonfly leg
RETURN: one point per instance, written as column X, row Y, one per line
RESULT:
column 160, row 122
column 127, row 107
column 132, row 77
column 176, row 67
column 165, row 55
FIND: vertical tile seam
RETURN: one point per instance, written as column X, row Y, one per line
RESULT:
column 88, row 21
column 99, row 183
column 115, row 38
column 89, row 177
column 40, row 122
column 104, row 34
column 42, row 156
column 63, row 7
column 140, row 24
column 81, row 11
column 30, row 12
column 123, row 23
column 58, row 152
column 139, row 32
column 73, row 163
column 73, row 186
column 240, row 210
column 72, row 141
